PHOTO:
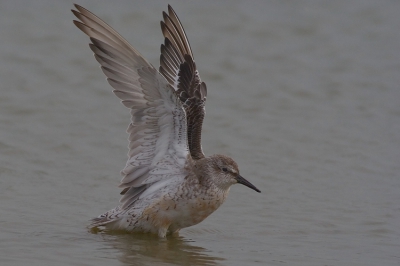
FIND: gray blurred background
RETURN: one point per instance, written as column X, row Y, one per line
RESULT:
column 303, row 94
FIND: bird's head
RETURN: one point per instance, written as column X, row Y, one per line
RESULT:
column 225, row 172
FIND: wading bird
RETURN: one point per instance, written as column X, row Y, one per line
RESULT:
column 168, row 183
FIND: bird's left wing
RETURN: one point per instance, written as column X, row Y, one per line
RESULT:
column 178, row 67
column 158, row 148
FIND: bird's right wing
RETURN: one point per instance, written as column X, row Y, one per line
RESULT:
column 158, row 149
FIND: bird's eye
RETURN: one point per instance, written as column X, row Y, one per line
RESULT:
column 225, row 169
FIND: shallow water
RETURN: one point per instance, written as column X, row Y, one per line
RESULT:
column 303, row 94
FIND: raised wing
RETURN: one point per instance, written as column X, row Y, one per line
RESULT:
column 178, row 67
column 158, row 148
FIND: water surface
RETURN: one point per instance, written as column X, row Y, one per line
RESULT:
column 303, row 94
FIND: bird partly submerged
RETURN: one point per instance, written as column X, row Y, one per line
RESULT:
column 168, row 183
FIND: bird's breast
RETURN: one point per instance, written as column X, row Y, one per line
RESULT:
column 183, row 210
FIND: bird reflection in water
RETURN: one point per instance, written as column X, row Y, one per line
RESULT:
column 142, row 249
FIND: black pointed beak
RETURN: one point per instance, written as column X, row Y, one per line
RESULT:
column 241, row 180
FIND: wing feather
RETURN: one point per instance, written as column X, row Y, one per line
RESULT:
column 158, row 148
column 179, row 69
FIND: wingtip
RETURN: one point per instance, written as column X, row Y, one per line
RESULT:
column 77, row 23
column 170, row 9
column 83, row 10
column 77, row 6
column 75, row 12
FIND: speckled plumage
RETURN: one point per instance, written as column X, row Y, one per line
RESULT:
column 168, row 183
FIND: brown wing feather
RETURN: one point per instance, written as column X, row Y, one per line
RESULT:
column 178, row 67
